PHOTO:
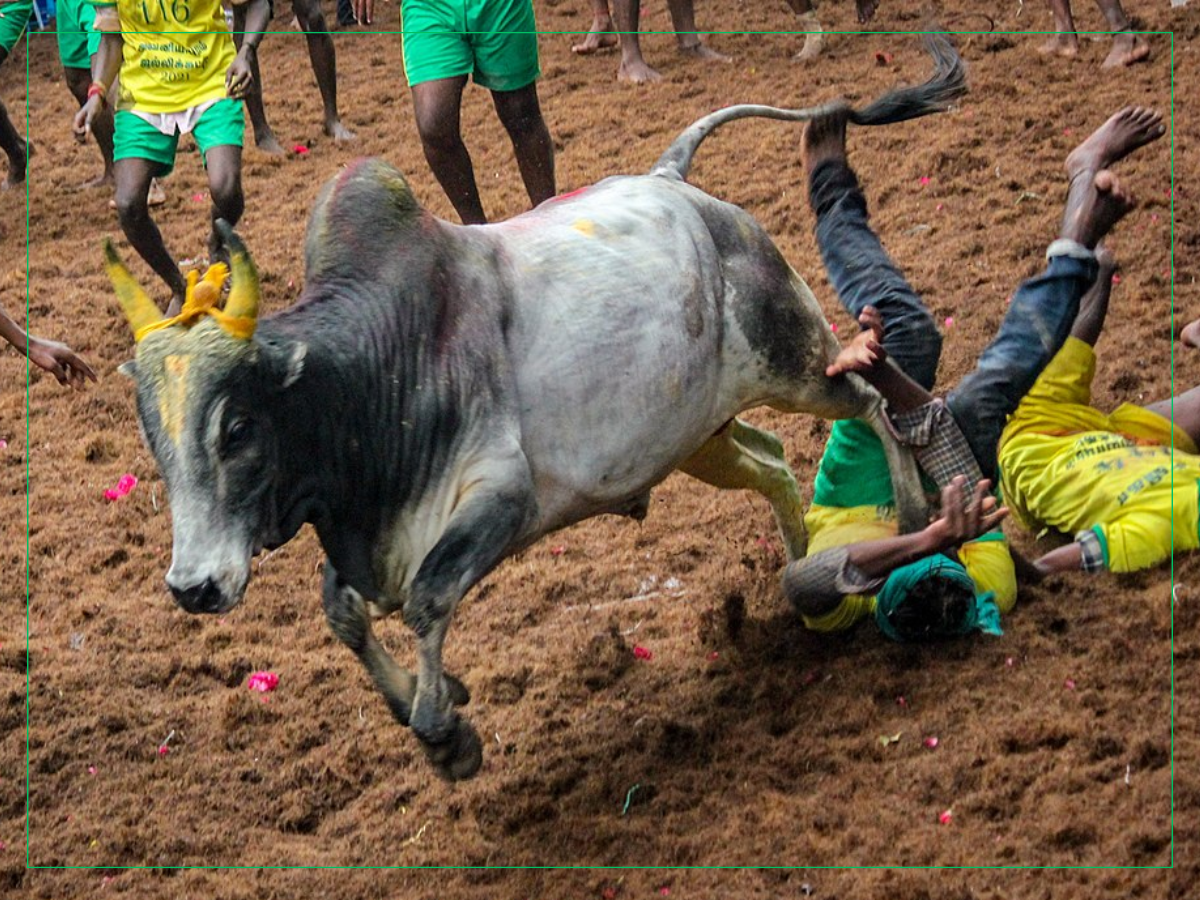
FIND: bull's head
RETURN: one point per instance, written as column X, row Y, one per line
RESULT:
column 204, row 394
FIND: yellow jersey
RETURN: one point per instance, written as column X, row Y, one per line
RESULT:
column 176, row 53
column 1069, row 466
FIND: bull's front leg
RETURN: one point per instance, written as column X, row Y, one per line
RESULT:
column 491, row 518
column 349, row 619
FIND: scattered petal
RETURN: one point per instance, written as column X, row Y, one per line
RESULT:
column 163, row 749
column 263, row 682
column 91, row 770
column 1066, row 131
column 126, row 484
column 3, row 444
column 930, row 742
column 882, row 58
column 1009, row 662
column 712, row 657
column 945, row 816
column 641, row 652
column 1069, row 684
column 924, row 179
column 900, row 701
column 1153, row 217
column 949, row 321
column 291, row 284
column 833, row 327
column 940, row 207
column 609, row 893
column 885, row 740
column 558, row 550
column 197, row 198
column 1116, row 279
column 300, row 149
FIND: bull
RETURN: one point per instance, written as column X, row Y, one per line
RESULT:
column 436, row 407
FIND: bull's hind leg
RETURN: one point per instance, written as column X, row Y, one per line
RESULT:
column 741, row 457
column 346, row 612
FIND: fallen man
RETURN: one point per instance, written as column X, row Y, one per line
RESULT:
column 957, row 575
column 1106, row 479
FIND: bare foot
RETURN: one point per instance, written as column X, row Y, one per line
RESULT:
column 339, row 132
column 1123, row 133
column 1127, row 49
column 637, row 72
column 600, row 37
column 824, row 139
column 1190, row 336
column 701, row 51
column 267, row 143
column 18, row 166
column 1065, row 43
column 866, row 9
column 1094, row 206
column 814, row 38
column 104, row 179
column 155, row 196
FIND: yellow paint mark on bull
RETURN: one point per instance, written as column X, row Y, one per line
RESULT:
column 586, row 227
column 172, row 395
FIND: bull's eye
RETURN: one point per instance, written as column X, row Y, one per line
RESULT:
column 237, row 436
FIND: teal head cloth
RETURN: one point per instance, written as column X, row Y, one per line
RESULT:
column 981, row 615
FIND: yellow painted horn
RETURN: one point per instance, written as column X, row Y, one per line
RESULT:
column 140, row 311
column 244, row 290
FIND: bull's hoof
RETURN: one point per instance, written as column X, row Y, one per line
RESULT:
column 459, row 695
column 460, row 756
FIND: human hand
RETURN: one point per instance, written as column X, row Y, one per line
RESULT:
column 239, row 78
column 959, row 521
column 81, row 125
column 60, row 361
column 865, row 351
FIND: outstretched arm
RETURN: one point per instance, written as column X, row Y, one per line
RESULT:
column 57, row 359
column 866, row 356
column 816, row 584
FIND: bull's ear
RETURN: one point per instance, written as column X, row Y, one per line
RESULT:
column 128, row 368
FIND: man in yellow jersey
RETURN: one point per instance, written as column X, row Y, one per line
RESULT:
column 179, row 74
column 1106, row 479
column 14, row 15
column 955, row 576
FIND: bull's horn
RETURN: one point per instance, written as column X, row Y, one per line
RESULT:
column 140, row 311
column 243, row 292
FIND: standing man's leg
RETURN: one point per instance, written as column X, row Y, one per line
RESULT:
column 627, row 15
column 324, row 64
column 264, row 136
column 814, row 35
column 73, row 24
column 521, row 116
column 16, row 148
column 133, row 176
column 859, row 268
column 437, row 106
column 683, row 20
column 1044, row 309
column 220, row 134
column 601, row 33
column 1127, row 48
column 1064, row 42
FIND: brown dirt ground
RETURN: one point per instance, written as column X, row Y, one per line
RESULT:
column 750, row 741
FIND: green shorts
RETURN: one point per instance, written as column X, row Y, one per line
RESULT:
column 74, row 23
column 495, row 40
column 222, row 125
column 13, row 18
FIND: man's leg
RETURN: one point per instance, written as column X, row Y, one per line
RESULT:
column 78, row 81
column 16, row 148
column 437, row 105
column 1128, row 48
column 858, row 266
column 814, row 35
column 1044, row 309
column 521, row 116
column 1065, row 42
column 133, row 180
column 324, row 64
column 627, row 15
column 601, row 33
column 264, row 136
column 683, row 19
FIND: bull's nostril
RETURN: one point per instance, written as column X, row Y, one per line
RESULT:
column 198, row 598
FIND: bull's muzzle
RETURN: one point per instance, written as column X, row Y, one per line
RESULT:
column 204, row 597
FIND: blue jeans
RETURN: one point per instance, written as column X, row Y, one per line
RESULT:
column 1038, row 320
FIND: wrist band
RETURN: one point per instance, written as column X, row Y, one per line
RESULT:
column 96, row 89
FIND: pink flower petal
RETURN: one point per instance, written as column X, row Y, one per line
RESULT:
column 197, row 198
column 833, row 327
column 3, row 444
column 924, row 179
column 558, row 550
column 900, row 701
column 110, row 494
column 945, row 816
column 1009, row 662
column 930, row 742
column 1116, row 279
column 163, row 750
column 263, row 682
column 300, row 148
column 641, row 652
column 1069, row 684
column 949, row 321
column 712, row 657
column 91, row 770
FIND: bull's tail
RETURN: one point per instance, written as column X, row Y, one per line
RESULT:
column 948, row 83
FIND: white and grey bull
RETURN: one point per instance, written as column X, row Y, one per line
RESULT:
column 442, row 396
